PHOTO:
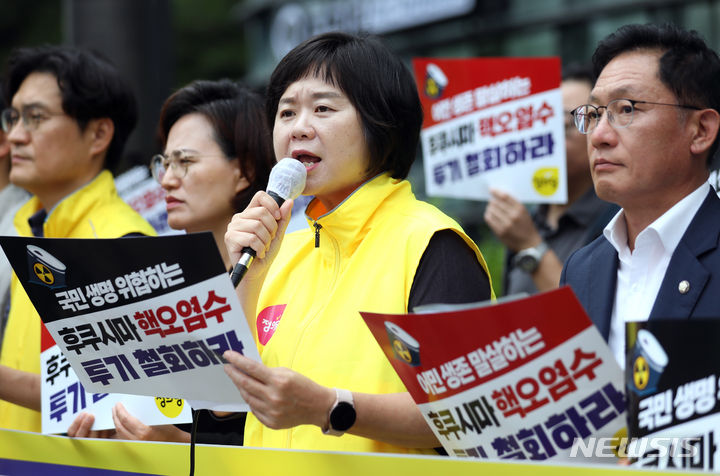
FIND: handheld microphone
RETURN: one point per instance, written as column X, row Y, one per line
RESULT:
column 287, row 181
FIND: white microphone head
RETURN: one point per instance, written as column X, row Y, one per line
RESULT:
column 287, row 178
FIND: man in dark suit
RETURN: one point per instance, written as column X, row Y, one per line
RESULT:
column 652, row 128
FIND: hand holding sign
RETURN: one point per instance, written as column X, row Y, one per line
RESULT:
column 510, row 221
column 279, row 397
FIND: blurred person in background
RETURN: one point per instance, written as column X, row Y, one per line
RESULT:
column 539, row 243
column 11, row 197
column 70, row 115
column 217, row 155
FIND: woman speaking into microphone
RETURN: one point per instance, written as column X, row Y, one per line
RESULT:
column 348, row 110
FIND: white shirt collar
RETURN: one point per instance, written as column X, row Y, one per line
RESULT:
column 670, row 226
column 641, row 272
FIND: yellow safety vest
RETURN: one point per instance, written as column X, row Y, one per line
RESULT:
column 369, row 249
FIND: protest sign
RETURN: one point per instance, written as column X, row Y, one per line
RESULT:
column 64, row 397
column 493, row 122
column 524, row 379
column 141, row 316
column 672, row 376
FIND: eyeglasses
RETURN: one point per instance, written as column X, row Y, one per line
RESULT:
column 619, row 111
column 32, row 117
column 179, row 161
column 568, row 121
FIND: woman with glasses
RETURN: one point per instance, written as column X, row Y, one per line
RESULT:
column 217, row 155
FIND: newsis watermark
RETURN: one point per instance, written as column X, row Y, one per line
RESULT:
column 656, row 446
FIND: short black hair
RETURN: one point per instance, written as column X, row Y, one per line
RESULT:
column 579, row 72
column 376, row 82
column 90, row 85
column 237, row 117
column 688, row 67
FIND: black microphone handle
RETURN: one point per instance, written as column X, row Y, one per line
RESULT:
column 248, row 254
column 278, row 199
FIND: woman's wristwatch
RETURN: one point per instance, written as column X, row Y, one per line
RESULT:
column 342, row 414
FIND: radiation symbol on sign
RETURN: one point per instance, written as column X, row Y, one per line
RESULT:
column 435, row 81
column 402, row 351
column 43, row 273
column 641, row 373
column 431, row 88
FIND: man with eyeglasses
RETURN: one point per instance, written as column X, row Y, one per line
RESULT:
column 652, row 128
column 69, row 117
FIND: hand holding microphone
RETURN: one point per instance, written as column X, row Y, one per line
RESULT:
column 287, row 181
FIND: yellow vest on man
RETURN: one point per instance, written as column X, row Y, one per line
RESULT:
column 369, row 249
column 94, row 211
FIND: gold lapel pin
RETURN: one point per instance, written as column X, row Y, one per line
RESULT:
column 684, row 286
